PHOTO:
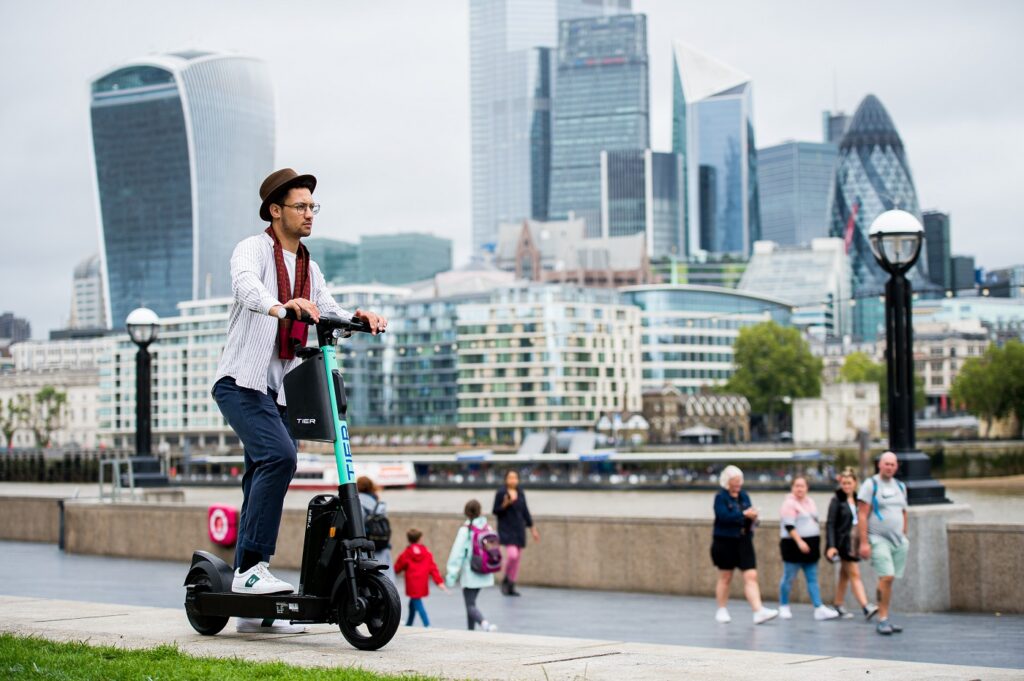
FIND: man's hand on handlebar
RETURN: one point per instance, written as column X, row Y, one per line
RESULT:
column 301, row 306
column 376, row 322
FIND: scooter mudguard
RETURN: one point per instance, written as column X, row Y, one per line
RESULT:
column 220, row 573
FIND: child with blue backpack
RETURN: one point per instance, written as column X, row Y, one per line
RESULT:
column 474, row 558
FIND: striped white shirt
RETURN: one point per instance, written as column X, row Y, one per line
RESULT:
column 252, row 332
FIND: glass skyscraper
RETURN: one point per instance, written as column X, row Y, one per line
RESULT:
column 403, row 258
column 712, row 127
column 872, row 176
column 643, row 191
column 602, row 104
column 940, row 254
column 181, row 143
column 795, row 182
column 511, row 74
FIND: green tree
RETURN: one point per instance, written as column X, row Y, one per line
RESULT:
column 773, row 365
column 13, row 417
column 47, row 413
column 992, row 386
column 860, row 368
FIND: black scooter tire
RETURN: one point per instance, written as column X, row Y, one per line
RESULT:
column 383, row 612
column 207, row 625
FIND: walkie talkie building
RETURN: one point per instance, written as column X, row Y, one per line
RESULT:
column 181, row 143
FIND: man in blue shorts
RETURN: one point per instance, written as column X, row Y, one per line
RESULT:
column 882, row 523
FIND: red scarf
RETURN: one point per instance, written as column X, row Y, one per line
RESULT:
column 290, row 334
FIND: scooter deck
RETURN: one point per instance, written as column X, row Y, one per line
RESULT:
column 278, row 606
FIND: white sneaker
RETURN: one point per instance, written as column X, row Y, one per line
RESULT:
column 255, row 625
column 765, row 614
column 722, row 616
column 823, row 612
column 487, row 626
column 258, row 580
column 785, row 613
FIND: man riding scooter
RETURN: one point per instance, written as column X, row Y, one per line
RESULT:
column 267, row 269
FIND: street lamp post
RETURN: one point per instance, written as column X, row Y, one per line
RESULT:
column 896, row 237
column 142, row 324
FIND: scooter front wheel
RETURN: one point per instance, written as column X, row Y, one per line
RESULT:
column 383, row 613
column 207, row 625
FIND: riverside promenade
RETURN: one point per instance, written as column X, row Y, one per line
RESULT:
column 453, row 654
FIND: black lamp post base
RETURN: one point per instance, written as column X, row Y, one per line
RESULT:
column 916, row 473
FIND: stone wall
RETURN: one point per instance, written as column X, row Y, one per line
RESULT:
column 985, row 565
column 977, row 571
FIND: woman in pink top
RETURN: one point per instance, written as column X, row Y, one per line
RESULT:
column 800, row 545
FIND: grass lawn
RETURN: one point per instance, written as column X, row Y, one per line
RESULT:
column 35, row 658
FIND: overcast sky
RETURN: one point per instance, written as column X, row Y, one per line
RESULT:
column 373, row 98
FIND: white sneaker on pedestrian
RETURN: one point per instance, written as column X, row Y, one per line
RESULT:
column 258, row 580
column 487, row 626
column 765, row 614
column 785, row 613
column 255, row 625
column 823, row 612
column 722, row 616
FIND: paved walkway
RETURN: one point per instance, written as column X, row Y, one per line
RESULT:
column 452, row 653
column 42, row 571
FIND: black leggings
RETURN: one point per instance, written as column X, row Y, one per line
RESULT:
column 473, row 614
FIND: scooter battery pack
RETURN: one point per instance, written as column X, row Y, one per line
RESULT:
column 310, row 408
column 320, row 516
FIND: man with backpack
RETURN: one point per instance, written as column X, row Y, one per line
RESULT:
column 882, row 523
column 375, row 522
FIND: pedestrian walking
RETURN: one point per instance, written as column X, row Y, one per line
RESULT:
column 375, row 522
column 882, row 527
column 732, row 546
column 513, row 520
column 841, row 545
column 800, row 545
column 419, row 567
column 460, row 569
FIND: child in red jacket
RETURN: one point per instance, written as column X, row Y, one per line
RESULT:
column 418, row 564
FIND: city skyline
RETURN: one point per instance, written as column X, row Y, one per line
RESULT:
column 347, row 78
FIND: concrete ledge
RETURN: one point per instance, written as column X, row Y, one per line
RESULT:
column 454, row 654
column 985, row 563
column 30, row 519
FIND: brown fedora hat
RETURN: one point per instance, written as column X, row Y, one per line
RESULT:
column 277, row 180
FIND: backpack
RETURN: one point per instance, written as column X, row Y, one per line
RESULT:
column 485, row 557
column 378, row 528
column 874, row 494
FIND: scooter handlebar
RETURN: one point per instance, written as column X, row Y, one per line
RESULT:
column 329, row 322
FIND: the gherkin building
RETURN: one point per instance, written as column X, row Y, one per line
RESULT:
column 872, row 176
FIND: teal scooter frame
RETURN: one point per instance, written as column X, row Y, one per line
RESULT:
column 341, row 581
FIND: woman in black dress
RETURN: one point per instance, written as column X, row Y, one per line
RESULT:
column 841, row 544
column 513, row 518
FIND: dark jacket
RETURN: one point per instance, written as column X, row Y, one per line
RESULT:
column 729, row 518
column 512, row 520
column 839, row 527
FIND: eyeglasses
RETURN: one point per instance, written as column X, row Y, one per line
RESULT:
column 300, row 208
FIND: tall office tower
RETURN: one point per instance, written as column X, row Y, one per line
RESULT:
column 713, row 128
column 88, row 309
column 181, row 142
column 940, row 258
column 14, row 329
column 964, row 277
column 872, row 176
column 511, row 72
column 643, row 191
column 403, row 258
column 602, row 104
column 834, row 125
column 338, row 260
column 795, row 182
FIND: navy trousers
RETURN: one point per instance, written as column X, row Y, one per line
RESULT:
column 270, row 452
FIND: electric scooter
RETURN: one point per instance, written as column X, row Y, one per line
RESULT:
column 340, row 581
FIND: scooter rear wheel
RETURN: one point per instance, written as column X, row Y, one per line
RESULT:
column 383, row 613
column 207, row 625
